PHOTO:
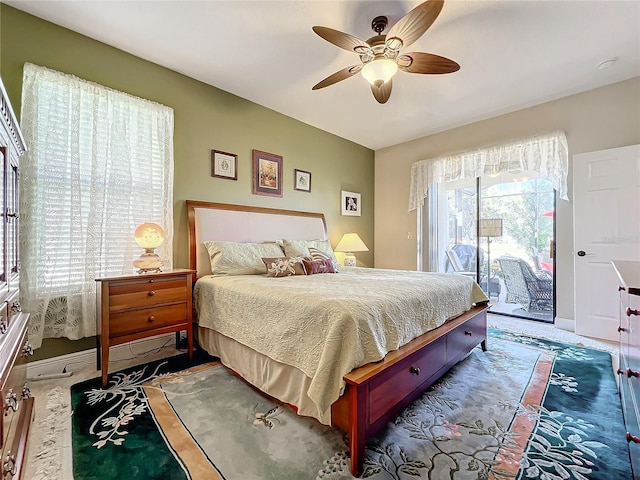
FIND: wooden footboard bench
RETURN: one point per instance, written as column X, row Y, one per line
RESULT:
column 377, row 392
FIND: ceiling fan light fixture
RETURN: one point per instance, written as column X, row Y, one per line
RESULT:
column 379, row 71
column 382, row 56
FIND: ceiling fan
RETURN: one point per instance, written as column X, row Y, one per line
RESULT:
column 380, row 55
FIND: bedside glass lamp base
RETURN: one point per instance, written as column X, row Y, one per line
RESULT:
column 148, row 262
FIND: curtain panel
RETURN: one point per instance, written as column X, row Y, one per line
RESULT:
column 547, row 155
column 99, row 163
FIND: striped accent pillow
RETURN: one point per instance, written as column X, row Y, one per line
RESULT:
column 320, row 255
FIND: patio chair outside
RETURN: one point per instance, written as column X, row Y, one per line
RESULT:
column 456, row 264
column 468, row 267
column 533, row 291
column 462, row 258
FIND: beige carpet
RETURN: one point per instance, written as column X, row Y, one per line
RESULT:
column 49, row 456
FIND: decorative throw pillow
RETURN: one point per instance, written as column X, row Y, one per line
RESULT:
column 236, row 258
column 318, row 266
column 316, row 254
column 284, row 266
column 300, row 248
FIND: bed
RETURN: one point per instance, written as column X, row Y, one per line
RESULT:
column 329, row 344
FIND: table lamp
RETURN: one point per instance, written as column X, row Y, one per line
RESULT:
column 350, row 243
column 149, row 236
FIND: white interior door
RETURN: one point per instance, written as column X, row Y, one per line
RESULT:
column 606, row 220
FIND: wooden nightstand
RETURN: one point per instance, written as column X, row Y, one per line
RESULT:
column 139, row 306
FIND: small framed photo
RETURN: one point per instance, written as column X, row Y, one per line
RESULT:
column 301, row 180
column 351, row 204
column 267, row 174
column 224, row 165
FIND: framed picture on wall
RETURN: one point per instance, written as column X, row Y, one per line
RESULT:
column 267, row 174
column 224, row 165
column 350, row 203
column 301, row 180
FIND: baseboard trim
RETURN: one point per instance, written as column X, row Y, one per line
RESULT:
column 565, row 324
column 74, row 361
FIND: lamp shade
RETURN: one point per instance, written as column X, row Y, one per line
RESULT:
column 149, row 235
column 379, row 71
column 351, row 242
column 490, row 227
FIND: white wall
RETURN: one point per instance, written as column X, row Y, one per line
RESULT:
column 603, row 118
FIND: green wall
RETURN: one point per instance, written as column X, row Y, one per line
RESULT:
column 206, row 118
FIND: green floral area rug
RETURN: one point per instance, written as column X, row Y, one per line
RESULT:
column 527, row 408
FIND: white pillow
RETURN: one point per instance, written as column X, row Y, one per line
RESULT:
column 235, row 258
column 300, row 248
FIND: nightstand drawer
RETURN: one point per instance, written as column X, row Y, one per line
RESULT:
column 147, row 319
column 146, row 293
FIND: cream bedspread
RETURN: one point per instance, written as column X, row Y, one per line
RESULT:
column 326, row 325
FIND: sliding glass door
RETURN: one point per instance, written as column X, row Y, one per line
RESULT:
column 498, row 230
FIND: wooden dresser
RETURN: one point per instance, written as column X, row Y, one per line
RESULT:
column 138, row 306
column 629, row 369
column 18, row 404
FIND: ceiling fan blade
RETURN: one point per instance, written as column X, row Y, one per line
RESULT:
column 419, row 62
column 383, row 92
column 338, row 76
column 342, row 40
column 411, row 27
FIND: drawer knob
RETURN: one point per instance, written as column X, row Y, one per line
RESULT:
column 467, row 332
column 151, row 318
column 9, row 466
column 632, row 438
column 16, row 307
column 621, row 329
column 26, row 392
column 632, row 312
column 632, row 373
column 152, row 293
column 10, row 402
column 620, row 371
column 27, row 349
column 621, row 289
column 415, row 370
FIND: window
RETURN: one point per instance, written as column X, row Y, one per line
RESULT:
column 99, row 163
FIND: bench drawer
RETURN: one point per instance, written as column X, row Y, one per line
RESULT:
column 404, row 377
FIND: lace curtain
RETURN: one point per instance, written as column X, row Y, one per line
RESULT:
column 99, row 163
column 547, row 155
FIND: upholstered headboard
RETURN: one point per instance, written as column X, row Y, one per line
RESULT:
column 240, row 223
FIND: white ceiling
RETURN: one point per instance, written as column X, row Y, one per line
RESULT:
column 512, row 53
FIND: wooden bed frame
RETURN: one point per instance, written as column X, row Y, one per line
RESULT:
column 377, row 392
